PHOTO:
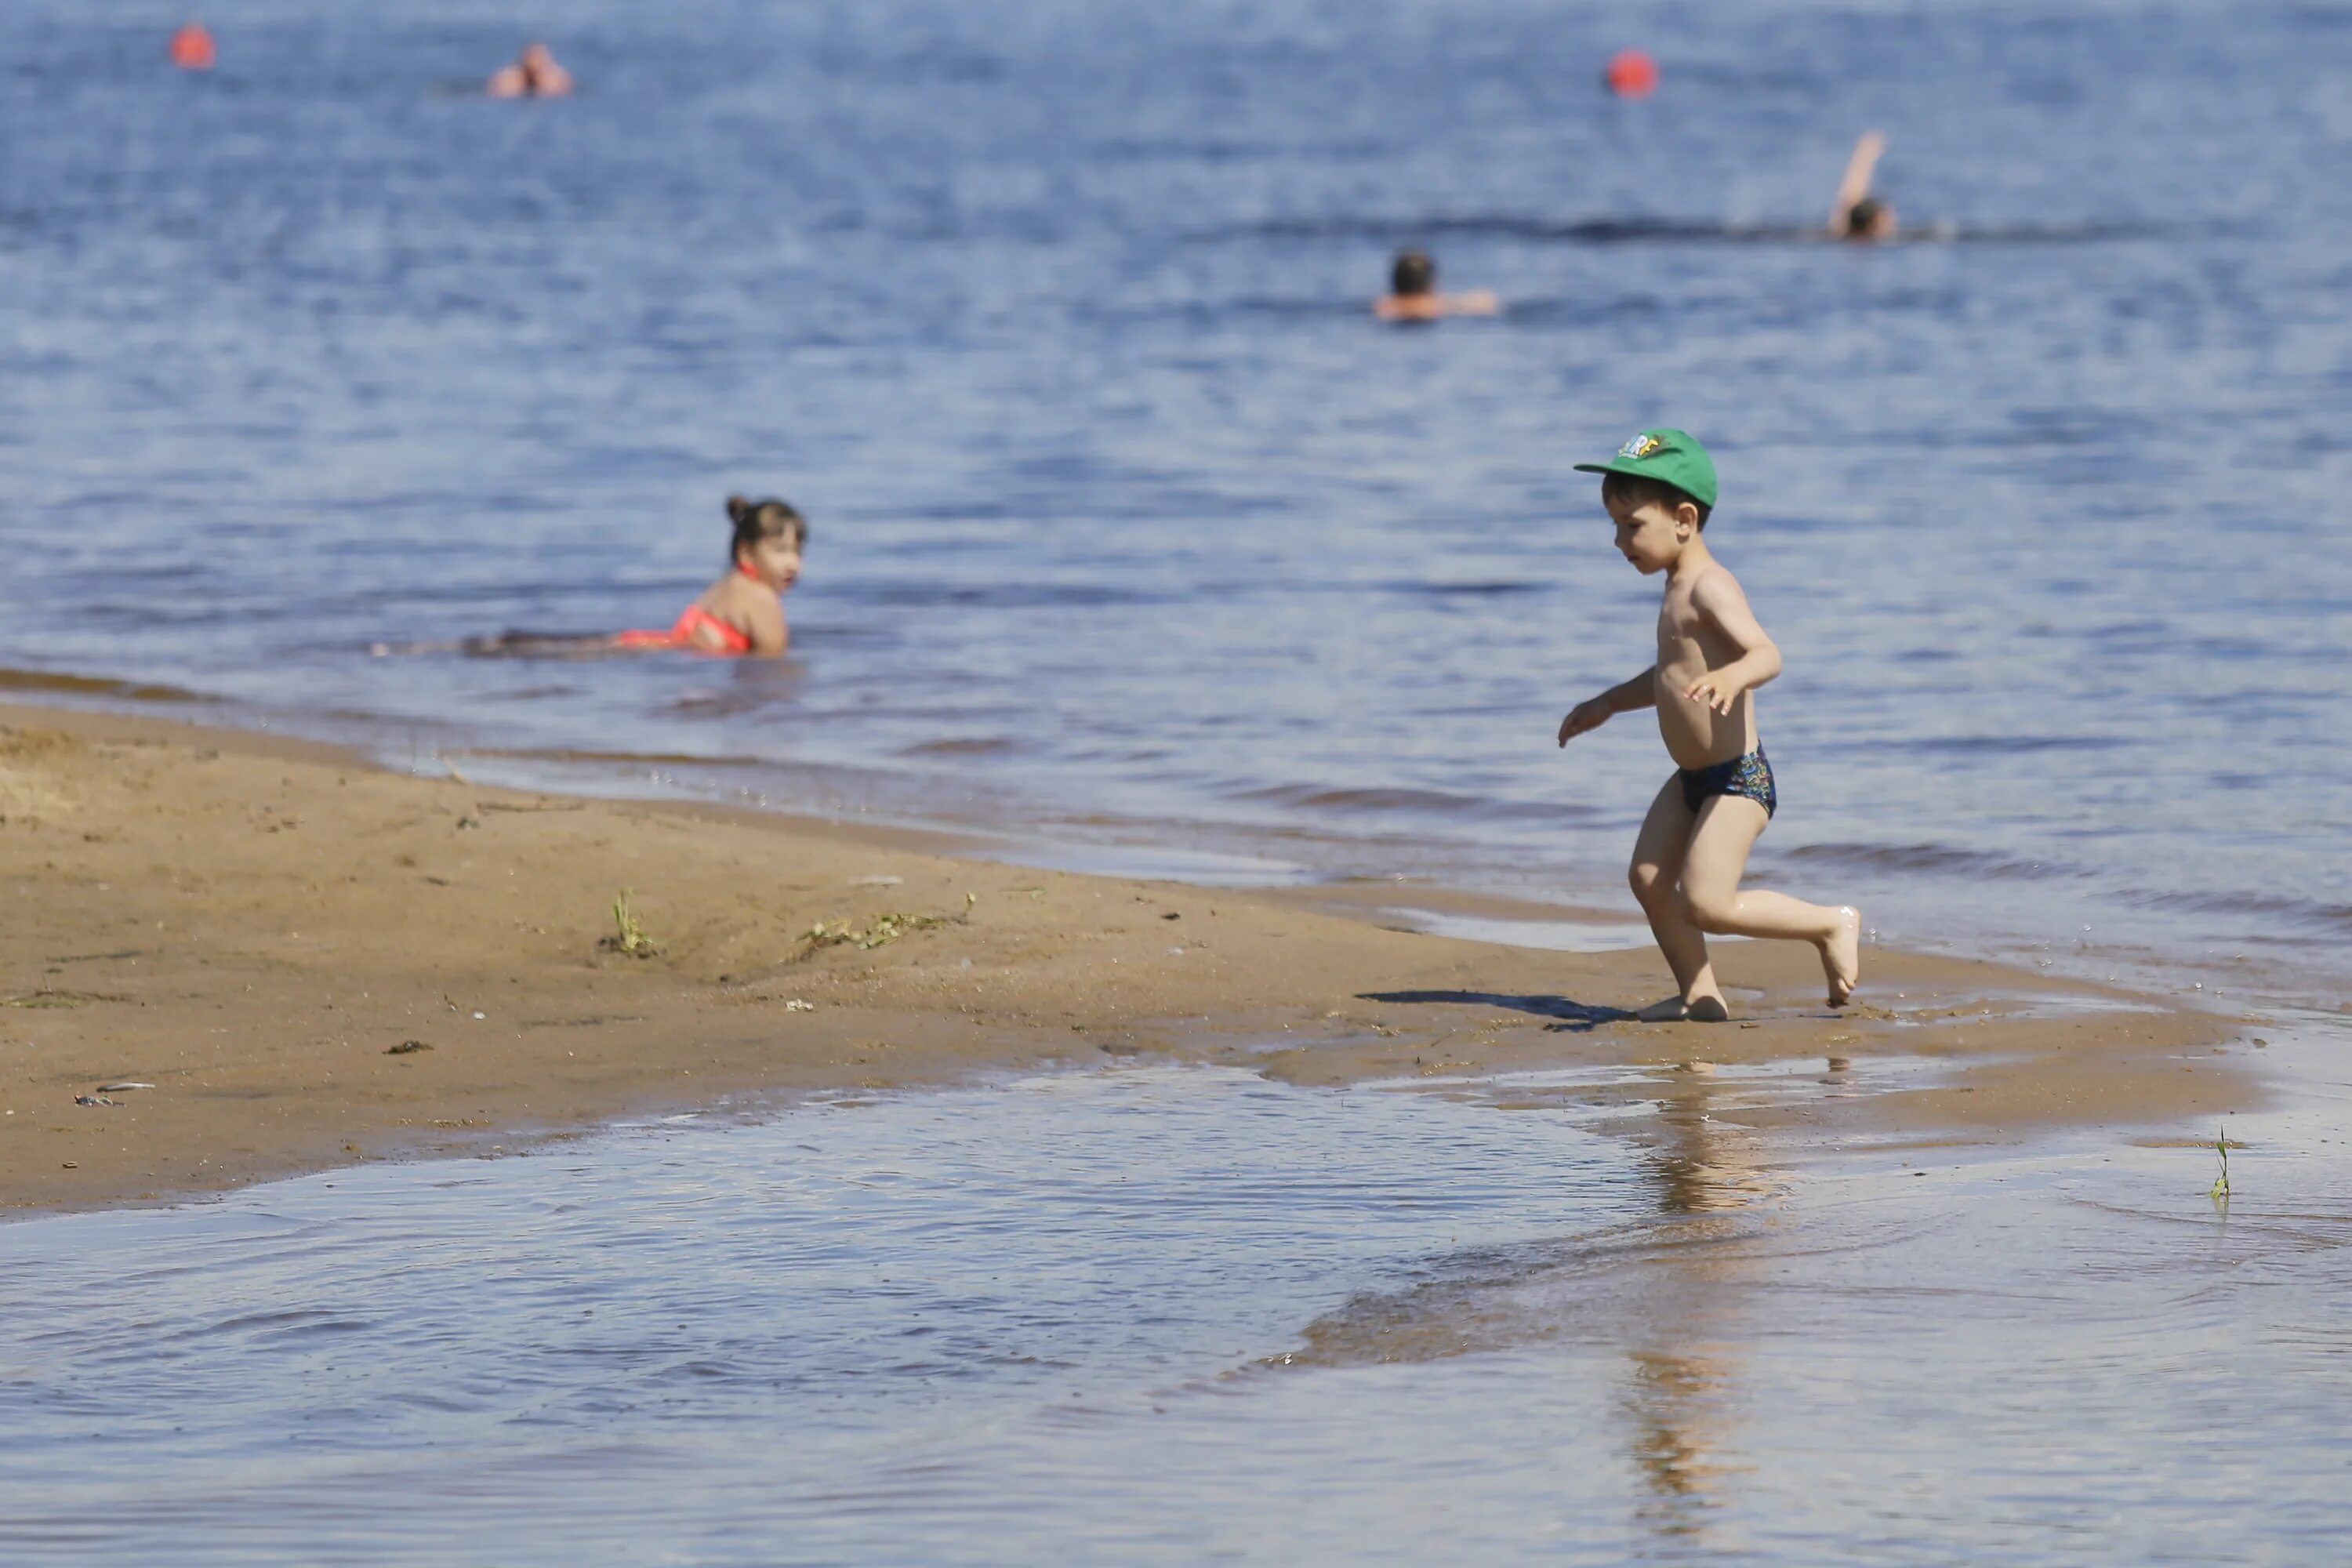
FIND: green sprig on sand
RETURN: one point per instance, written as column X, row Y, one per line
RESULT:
column 628, row 932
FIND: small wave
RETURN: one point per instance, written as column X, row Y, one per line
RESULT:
column 1540, row 311
column 2013, row 745
column 1353, row 307
column 1227, row 150
column 966, row 746
column 1942, row 857
column 1312, row 798
column 1470, row 590
column 1392, row 231
column 1318, row 797
column 1501, row 226
column 92, row 686
column 626, row 759
column 2305, row 912
column 1010, row 596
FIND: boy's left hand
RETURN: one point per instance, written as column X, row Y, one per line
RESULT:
column 1719, row 689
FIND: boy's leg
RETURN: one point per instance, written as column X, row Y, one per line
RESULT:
column 1656, row 870
column 1727, row 829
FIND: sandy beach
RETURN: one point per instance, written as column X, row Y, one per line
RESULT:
column 308, row 961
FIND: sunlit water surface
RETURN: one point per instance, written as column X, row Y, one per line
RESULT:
column 1132, row 525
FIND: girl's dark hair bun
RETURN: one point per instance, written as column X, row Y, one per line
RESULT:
column 758, row 520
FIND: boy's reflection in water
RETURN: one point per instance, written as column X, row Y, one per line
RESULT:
column 1680, row 1390
column 1672, row 1294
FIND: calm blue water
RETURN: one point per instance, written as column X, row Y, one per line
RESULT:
column 1172, row 1315
column 1131, row 524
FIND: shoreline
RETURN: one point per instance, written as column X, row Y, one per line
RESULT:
column 257, row 927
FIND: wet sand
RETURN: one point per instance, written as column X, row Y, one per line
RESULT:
column 314, row 962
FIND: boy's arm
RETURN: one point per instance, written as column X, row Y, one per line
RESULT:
column 1642, row 692
column 1718, row 597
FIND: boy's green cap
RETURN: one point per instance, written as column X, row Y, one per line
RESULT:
column 1669, row 457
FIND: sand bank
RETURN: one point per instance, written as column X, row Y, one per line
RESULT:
column 314, row 961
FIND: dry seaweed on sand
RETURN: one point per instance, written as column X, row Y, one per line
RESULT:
column 884, row 929
column 54, row 999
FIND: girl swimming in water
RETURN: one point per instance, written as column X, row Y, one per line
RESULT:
column 740, row 615
column 743, row 612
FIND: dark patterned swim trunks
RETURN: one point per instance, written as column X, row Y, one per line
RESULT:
column 1748, row 777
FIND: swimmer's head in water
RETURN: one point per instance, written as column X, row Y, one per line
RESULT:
column 769, row 539
column 1868, row 218
column 1413, row 273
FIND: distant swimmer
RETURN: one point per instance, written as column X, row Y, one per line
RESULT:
column 1859, row 216
column 740, row 615
column 1413, row 293
column 534, row 74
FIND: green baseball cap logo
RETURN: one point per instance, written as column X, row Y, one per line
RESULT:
column 1670, row 457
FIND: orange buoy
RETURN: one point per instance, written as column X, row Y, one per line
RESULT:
column 192, row 49
column 1633, row 74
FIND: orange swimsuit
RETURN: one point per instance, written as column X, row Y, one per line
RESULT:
column 732, row 640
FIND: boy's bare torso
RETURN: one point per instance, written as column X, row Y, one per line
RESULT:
column 1689, row 646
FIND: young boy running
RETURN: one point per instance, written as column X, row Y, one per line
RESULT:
column 1711, row 655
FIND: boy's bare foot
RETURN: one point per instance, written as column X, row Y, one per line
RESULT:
column 1841, row 956
column 1675, row 1010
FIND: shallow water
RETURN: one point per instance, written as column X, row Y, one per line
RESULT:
column 1181, row 1314
column 1132, row 526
